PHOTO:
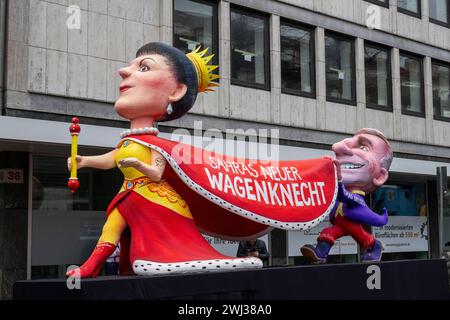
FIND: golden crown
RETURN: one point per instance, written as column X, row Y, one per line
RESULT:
column 204, row 71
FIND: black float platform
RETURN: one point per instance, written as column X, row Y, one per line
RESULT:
column 416, row 279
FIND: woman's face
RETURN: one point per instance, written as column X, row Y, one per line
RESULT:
column 148, row 86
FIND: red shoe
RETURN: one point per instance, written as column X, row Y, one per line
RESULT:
column 92, row 267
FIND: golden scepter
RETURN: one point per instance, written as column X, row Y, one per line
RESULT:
column 74, row 129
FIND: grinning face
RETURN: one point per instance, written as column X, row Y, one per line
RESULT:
column 148, row 86
column 360, row 160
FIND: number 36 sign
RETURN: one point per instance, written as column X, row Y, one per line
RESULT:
column 11, row 176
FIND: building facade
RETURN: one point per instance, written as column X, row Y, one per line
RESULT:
column 315, row 70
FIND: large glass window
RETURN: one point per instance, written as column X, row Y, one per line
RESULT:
column 411, row 7
column 297, row 59
column 378, row 76
column 411, row 77
column 340, row 68
column 194, row 25
column 249, row 49
column 440, row 11
column 406, row 233
column 441, row 90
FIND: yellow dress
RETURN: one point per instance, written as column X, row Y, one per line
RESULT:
column 158, row 192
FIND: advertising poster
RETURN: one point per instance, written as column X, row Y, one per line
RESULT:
column 400, row 234
column 404, row 234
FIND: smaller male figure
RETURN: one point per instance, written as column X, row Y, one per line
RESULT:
column 363, row 163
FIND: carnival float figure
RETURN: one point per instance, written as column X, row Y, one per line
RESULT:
column 363, row 163
column 159, row 233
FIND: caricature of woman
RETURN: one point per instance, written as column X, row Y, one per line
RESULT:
column 158, row 232
column 160, row 84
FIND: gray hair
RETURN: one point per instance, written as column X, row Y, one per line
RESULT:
column 387, row 159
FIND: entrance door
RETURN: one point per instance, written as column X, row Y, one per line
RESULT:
column 444, row 209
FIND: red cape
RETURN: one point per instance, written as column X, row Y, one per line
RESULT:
column 236, row 199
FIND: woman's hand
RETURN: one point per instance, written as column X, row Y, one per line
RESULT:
column 80, row 162
column 130, row 163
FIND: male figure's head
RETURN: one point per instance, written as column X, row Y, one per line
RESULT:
column 365, row 159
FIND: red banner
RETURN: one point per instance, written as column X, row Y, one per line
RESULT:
column 291, row 195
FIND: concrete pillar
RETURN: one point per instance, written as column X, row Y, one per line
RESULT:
column 396, row 93
column 428, row 88
column 321, row 85
column 393, row 15
column 275, row 72
column 360, row 83
column 224, row 59
column 424, row 30
column 166, row 21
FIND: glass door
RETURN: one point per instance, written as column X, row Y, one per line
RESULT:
column 65, row 226
column 446, row 221
column 443, row 209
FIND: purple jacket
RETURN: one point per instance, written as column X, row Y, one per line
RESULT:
column 356, row 209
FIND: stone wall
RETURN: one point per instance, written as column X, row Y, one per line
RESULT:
column 56, row 70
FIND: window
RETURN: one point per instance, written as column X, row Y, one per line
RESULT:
column 440, row 11
column 340, row 68
column 383, row 3
column 411, row 7
column 411, row 79
column 297, row 60
column 405, row 236
column 378, row 77
column 249, row 49
column 195, row 24
column 441, row 90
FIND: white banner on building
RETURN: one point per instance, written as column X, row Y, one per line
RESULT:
column 404, row 234
column 400, row 234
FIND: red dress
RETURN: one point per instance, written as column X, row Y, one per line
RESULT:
column 164, row 237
